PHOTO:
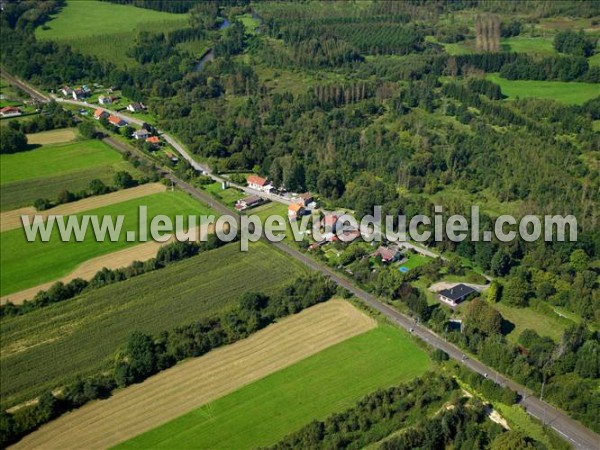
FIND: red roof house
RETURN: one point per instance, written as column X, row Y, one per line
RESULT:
column 295, row 210
column 155, row 140
column 258, row 183
column 99, row 113
column 116, row 121
column 10, row 111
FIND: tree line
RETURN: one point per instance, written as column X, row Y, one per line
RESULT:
column 144, row 355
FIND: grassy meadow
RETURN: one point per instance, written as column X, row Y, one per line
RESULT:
column 58, row 136
column 228, row 196
column 108, row 29
column 524, row 44
column 561, row 91
column 55, row 160
column 48, row 347
column 27, row 264
column 46, row 171
column 263, row 412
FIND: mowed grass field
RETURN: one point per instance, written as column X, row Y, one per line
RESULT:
column 55, row 160
column 564, row 92
column 46, row 348
column 58, row 136
column 265, row 411
column 197, row 381
column 46, row 171
column 27, row 264
column 104, row 29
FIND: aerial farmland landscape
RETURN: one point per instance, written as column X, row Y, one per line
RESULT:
column 251, row 224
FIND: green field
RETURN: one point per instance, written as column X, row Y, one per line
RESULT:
column 564, row 92
column 24, row 193
column 523, row 44
column 55, row 160
column 48, row 347
column 47, row 170
column 27, row 264
column 523, row 318
column 265, row 411
column 228, row 196
column 106, row 30
column 415, row 260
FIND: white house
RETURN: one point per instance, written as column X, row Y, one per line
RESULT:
column 259, row 183
column 105, row 100
column 457, row 294
column 10, row 111
column 141, row 134
column 135, row 107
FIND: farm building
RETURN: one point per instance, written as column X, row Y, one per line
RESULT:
column 249, row 202
column 136, row 107
column 388, row 254
column 259, row 183
column 10, row 111
column 116, row 121
column 457, row 294
column 141, row 134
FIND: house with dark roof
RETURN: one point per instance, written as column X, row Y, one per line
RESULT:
column 141, row 134
column 249, row 202
column 456, row 294
column 136, row 107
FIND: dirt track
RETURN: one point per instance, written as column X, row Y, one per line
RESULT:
column 11, row 220
column 198, row 381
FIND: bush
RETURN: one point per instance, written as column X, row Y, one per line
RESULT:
column 124, row 180
column 42, row 204
column 12, row 141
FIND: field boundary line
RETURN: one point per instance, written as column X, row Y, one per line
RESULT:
column 10, row 220
column 198, row 381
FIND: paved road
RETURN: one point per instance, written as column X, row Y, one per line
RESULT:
column 575, row 433
column 572, row 431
